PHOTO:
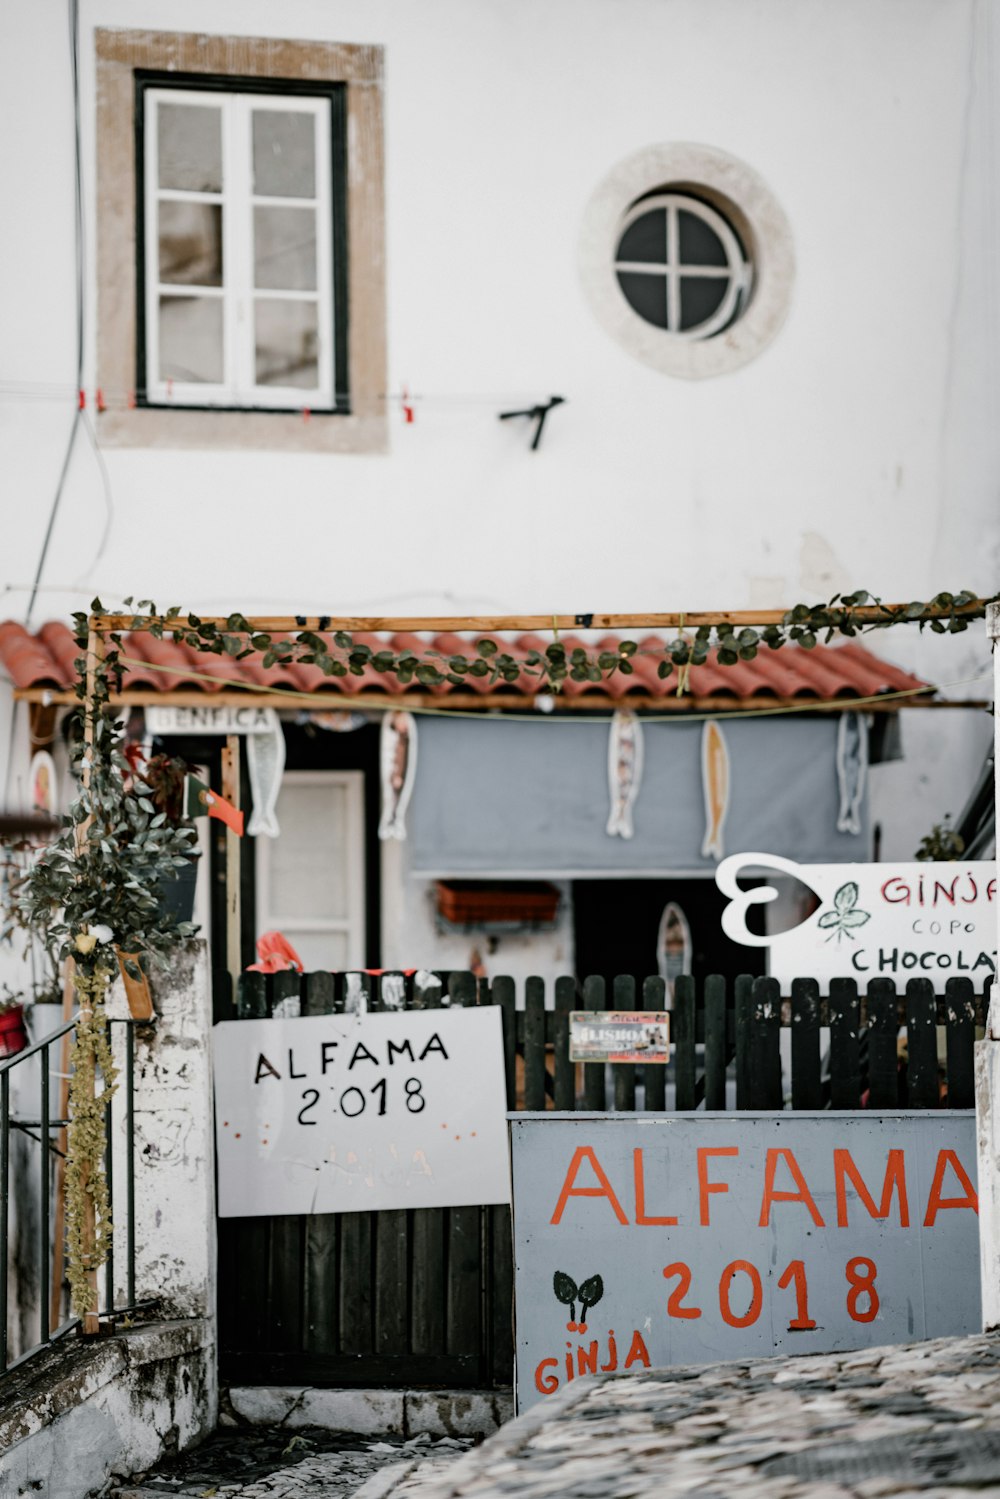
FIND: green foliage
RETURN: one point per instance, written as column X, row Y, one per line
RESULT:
column 941, row 843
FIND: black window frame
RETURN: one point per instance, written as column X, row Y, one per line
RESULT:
column 336, row 94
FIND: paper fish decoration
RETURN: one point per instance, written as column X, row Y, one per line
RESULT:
column 42, row 780
column 624, row 771
column 715, row 787
column 852, row 770
column 397, row 768
column 673, row 945
column 265, row 765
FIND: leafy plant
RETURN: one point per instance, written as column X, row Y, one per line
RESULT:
column 845, row 916
column 941, row 843
column 588, row 1293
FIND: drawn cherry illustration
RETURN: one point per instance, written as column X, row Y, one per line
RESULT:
column 569, row 1293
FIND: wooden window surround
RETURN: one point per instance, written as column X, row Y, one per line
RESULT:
column 121, row 55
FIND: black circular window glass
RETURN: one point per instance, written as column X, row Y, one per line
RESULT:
column 680, row 266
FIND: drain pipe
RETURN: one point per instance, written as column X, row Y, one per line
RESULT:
column 988, row 1069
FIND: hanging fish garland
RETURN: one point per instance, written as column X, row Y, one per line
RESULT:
column 673, row 945
column 624, row 771
column 852, row 770
column 715, row 787
column 265, row 764
column 397, row 768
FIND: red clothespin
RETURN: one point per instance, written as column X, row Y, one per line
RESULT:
column 408, row 412
column 100, row 400
column 305, row 413
column 131, row 400
column 81, row 400
column 170, row 390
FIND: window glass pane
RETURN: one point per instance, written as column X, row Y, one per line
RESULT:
column 285, row 249
column 700, row 245
column 646, row 239
column 189, row 138
column 287, row 343
column 646, row 295
column 284, row 153
column 308, row 863
column 701, row 298
column 191, row 339
column 321, row 952
column 190, row 243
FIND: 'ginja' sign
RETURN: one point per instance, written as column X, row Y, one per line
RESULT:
column 646, row 1241
column 352, row 1113
column 900, row 921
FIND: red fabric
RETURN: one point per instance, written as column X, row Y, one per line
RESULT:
column 275, row 954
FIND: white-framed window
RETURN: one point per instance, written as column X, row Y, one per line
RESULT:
column 238, row 257
column 681, row 266
column 311, row 878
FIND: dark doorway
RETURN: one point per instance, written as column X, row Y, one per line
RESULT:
column 616, row 923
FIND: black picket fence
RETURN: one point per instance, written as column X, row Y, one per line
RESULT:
column 423, row 1296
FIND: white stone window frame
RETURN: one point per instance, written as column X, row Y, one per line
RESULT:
column 123, row 53
column 740, row 196
column 237, row 293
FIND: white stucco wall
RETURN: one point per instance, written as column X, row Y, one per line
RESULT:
column 858, row 449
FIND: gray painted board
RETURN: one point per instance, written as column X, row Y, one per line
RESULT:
column 783, row 1195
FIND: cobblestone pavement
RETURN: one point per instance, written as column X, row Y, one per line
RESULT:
column 275, row 1463
column 920, row 1419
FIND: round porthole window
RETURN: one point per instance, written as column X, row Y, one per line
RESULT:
column 686, row 259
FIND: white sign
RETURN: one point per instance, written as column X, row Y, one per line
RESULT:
column 355, row 1113
column 218, row 718
column 900, row 921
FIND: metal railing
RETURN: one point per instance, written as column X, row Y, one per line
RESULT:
column 31, row 1275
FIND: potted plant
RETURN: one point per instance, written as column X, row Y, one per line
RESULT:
column 13, row 1036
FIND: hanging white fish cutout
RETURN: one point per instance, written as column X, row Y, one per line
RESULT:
column 624, row 771
column 265, row 764
column 852, row 770
column 397, row 768
column 715, row 788
column 673, row 945
column 42, row 780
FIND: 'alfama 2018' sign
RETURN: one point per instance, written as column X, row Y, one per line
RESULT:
column 651, row 1241
column 934, row 921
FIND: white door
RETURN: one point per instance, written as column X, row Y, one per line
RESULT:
column 311, row 879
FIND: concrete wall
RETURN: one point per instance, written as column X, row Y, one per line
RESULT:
column 86, row 1410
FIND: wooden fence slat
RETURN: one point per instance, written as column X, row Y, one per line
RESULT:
column 355, row 1282
column 845, row 1051
column 883, row 1056
column 624, row 1072
column 390, row 1226
column 534, row 1043
column 921, row 1045
column 960, row 1037
column 501, row 1285
column 807, row 1088
column 654, row 994
column 594, row 1097
column 428, row 1289
column 319, row 1283
column 427, row 990
column 284, row 1282
column 715, row 1041
column 357, row 990
column 504, row 995
column 564, row 1092
column 743, row 1038
column 684, row 1033
column 465, row 1267
column 765, row 1047
column 251, row 996
column 319, row 994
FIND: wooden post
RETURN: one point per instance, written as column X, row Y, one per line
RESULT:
column 95, row 656
column 231, row 792
column 59, row 1225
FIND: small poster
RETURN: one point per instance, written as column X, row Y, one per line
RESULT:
column 619, row 1036
column 356, row 1113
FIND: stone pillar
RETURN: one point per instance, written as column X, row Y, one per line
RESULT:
column 988, row 1073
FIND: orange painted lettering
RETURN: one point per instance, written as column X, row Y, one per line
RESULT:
column 612, row 1363
column 705, row 1187
column 935, row 1202
column 895, row 1180
column 637, row 1353
column 546, row 1383
column 640, row 1195
column 586, row 1362
column 803, row 1195
column 569, row 1189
